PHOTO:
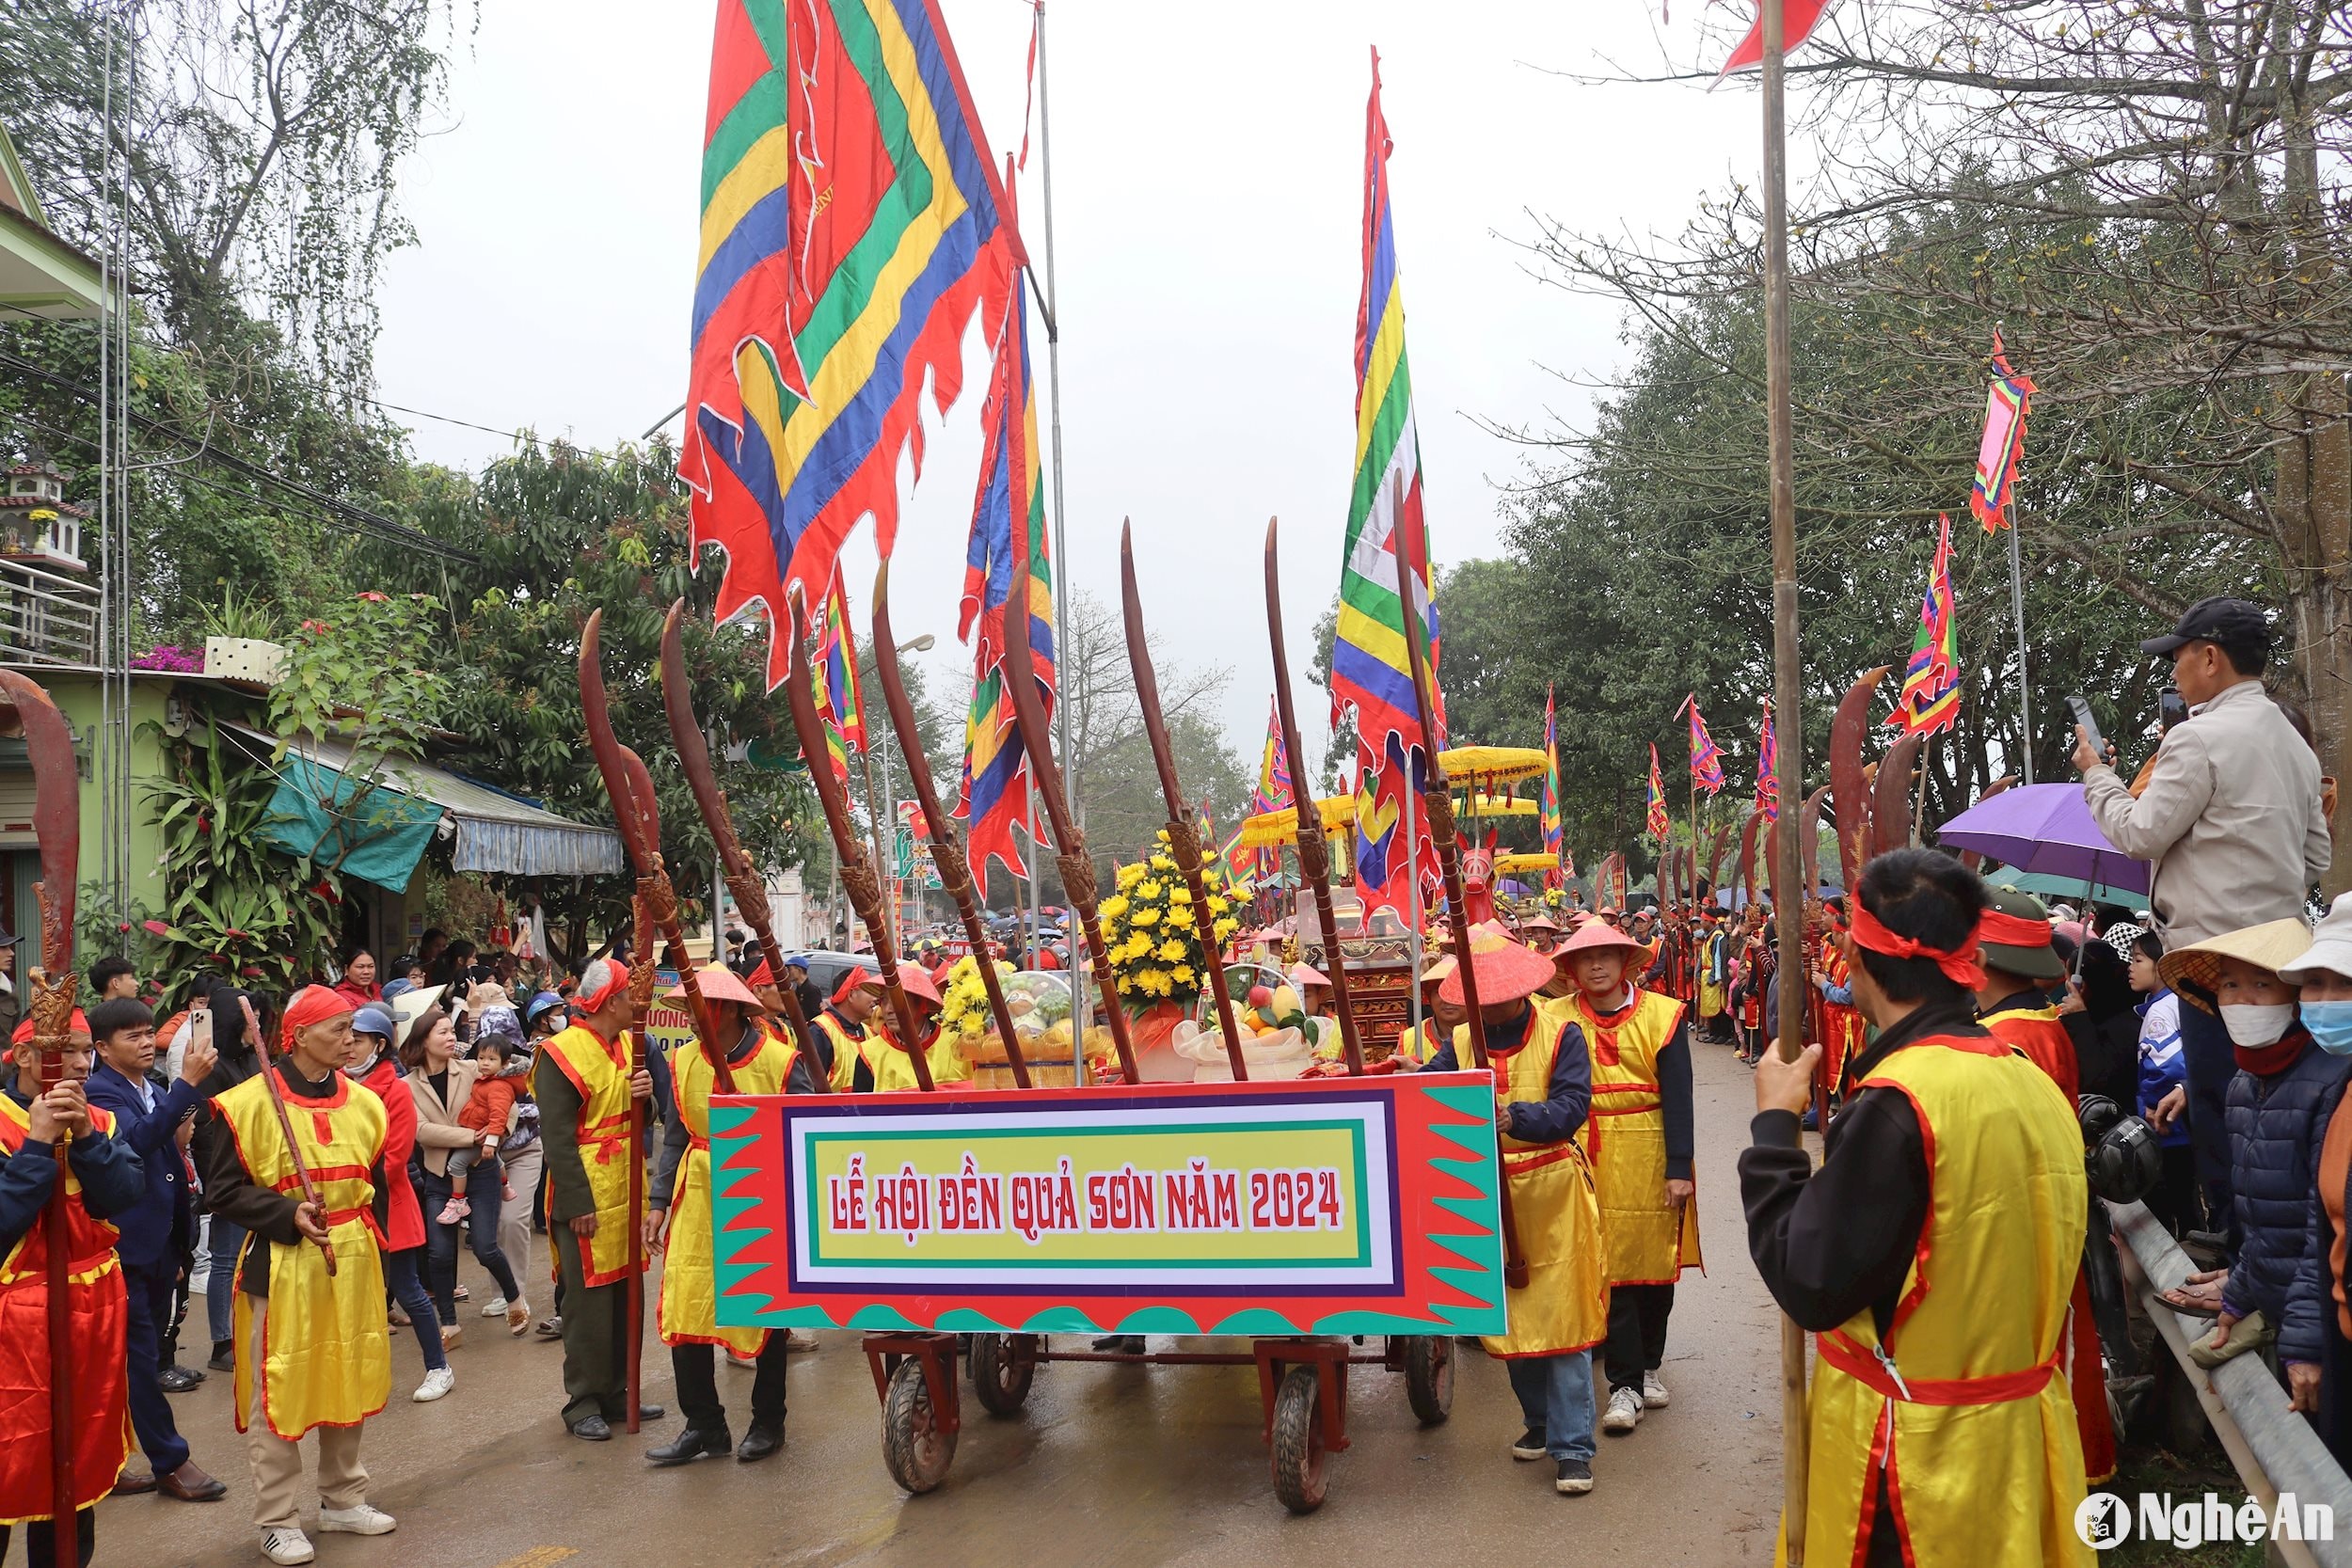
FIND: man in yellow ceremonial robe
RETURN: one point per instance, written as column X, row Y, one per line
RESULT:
column 680, row 1216
column 1640, row 1140
column 1934, row 1252
column 581, row 1080
column 1543, row 1088
column 312, row 1351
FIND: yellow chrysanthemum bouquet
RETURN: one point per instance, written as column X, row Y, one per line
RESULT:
column 1150, row 933
column 964, row 1001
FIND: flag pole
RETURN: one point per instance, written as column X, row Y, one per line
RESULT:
column 2017, row 609
column 1072, row 779
column 1788, row 721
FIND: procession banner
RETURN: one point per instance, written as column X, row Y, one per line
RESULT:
column 667, row 1024
column 1329, row 1206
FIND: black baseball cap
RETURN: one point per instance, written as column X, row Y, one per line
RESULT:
column 2217, row 619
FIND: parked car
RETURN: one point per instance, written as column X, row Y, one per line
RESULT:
column 827, row 970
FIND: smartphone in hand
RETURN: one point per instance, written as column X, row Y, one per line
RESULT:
column 2089, row 726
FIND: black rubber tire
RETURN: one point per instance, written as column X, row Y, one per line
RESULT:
column 916, row 1452
column 1301, row 1476
column 1429, row 1377
column 1002, row 1370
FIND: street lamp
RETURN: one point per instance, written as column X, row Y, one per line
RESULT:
column 922, row 644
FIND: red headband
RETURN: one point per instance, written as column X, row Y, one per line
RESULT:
column 1961, row 968
column 615, row 980
column 2012, row 930
column 79, row 1026
column 311, row 1004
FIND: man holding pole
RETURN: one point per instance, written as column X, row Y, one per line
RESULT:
column 302, row 1173
column 1940, row 1428
column 102, row 1177
column 1544, row 1087
column 585, row 1090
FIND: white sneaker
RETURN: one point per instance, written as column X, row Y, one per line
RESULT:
column 1654, row 1394
column 1624, row 1411
column 494, row 1307
column 799, row 1341
column 438, row 1381
column 286, row 1545
column 361, row 1520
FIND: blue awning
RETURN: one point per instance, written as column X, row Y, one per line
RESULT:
column 412, row 802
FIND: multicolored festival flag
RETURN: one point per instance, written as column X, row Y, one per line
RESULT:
column 1371, row 674
column 1707, row 763
column 1547, row 803
column 1768, row 768
column 852, row 223
column 837, row 654
column 1654, row 819
column 1930, row 700
column 2006, row 402
column 1273, row 793
column 1000, row 556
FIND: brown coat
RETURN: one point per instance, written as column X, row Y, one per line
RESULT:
column 438, row 1128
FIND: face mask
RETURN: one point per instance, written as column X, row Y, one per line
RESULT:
column 2331, row 1023
column 2253, row 1027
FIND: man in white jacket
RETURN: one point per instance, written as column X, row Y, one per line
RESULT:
column 2230, row 822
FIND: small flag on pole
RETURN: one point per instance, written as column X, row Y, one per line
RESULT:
column 1707, row 763
column 1768, row 768
column 1797, row 21
column 1654, row 821
column 837, row 651
column 1930, row 700
column 1548, row 805
column 2006, row 402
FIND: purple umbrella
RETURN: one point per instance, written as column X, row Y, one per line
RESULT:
column 2045, row 828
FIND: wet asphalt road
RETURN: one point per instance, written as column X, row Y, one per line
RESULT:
column 1108, row 1465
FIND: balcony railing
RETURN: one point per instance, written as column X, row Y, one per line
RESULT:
column 46, row 616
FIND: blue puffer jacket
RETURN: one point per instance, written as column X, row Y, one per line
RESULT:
column 2277, row 1125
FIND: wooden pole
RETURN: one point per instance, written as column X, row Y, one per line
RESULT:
column 1787, row 711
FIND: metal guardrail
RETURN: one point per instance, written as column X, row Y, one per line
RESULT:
column 2273, row 1448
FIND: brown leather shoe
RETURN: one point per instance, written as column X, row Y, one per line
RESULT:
column 130, row 1485
column 191, row 1485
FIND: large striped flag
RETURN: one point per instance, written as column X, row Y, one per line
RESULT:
column 1768, row 768
column 1547, row 803
column 1010, row 546
column 851, row 225
column 2006, row 403
column 1371, row 674
column 838, row 655
column 1930, row 700
column 1707, row 762
column 1654, row 818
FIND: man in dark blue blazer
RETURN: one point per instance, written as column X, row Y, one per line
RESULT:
column 152, row 1231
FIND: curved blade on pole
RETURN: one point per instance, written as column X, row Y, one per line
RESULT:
column 1438, row 800
column 1182, row 841
column 1315, row 854
column 858, row 877
column 742, row 877
column 627, row 780
column 1069, row 845
column 58, row 823
column 955, row 870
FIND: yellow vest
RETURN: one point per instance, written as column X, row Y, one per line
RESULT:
column 689, row 1310
column 848, row 1050
column 1965, row 1405
column 598, row 1068
column 329, row 1359
column 1564, row 1305
column 1650, row 1240
column 893, row 1068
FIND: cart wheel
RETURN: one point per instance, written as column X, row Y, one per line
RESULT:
column 1429, row 1377
column 1299, row 1477
column 915, row 1450
column 1002, row 1366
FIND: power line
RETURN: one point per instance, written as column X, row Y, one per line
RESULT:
column 367, row 522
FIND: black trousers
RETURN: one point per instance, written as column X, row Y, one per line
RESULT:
column 1637, row 1332
column 697, row 1369
column 41, row 1541
column 595, row 1341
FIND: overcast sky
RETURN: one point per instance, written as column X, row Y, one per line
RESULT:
column 1208, row 170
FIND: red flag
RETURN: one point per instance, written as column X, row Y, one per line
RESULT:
column 1797, row 20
